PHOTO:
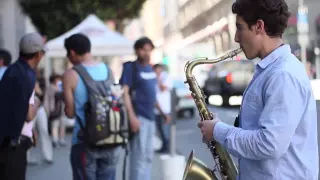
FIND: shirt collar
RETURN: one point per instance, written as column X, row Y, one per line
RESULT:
column 23, row 62
column 284, row 49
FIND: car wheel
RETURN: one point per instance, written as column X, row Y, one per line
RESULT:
column 186, row 114
column 192, row 113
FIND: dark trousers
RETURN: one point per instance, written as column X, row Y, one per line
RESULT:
column 13, row 161
column 164, row 131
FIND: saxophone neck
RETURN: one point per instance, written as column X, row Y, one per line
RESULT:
column 193, row 63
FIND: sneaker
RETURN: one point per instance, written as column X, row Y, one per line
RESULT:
column 32, row 162
column 62, row 143
column 163, row 151
column 49, row 162
column 54, row 144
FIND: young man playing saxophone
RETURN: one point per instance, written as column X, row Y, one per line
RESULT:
column 277, row 134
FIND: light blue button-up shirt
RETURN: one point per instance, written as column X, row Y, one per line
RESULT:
column 277, row 138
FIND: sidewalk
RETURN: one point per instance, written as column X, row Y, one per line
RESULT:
column 156, row 174
column 61, row 169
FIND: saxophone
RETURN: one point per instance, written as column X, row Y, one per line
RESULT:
column 195, row 169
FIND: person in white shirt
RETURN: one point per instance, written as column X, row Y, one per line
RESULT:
column 40, row 123
column 163, row 89
column 5, row 60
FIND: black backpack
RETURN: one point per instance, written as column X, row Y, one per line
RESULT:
column 105, row 123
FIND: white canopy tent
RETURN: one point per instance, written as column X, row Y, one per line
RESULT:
column 104, row 41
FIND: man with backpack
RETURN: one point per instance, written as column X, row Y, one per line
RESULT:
column 139, row 85
column 97, row 135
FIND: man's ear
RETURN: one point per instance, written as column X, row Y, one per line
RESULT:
column 72, row 52
column 39, row 55
column 259, row 26
column 1, row 62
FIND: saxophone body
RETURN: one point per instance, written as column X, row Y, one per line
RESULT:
column 225, row 167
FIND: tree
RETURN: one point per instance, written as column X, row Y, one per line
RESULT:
column 54, row 17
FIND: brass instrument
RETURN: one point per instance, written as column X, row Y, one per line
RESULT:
column 195, row 169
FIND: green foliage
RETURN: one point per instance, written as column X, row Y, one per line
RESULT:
column 54, row 17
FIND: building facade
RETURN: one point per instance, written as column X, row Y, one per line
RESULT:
column 150, row 24
column 208, row 28
column 13, row 25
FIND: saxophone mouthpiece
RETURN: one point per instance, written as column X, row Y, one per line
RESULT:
column 235, row 52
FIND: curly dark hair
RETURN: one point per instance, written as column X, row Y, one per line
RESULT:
column 141, row 42
column 79, row 43
column 274, row 13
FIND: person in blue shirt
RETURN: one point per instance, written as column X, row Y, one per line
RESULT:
column 277, row 133
column 139, row 85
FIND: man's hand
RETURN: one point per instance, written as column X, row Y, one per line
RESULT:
column 167, row 119
column 37, row 102
column 206, row 127
column 134, row 123
column 34, row 138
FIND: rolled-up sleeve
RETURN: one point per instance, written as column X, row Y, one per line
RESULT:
column 127, row 73
column 284, row 105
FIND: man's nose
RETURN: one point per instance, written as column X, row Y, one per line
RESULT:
column 236, row 38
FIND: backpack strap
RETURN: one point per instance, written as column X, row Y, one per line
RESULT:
column 86, row 77
column 83, row 73
column 134, row 76
column 110, row 78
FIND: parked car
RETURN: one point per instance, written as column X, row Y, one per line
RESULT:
column 229, row 78
column 186, row 106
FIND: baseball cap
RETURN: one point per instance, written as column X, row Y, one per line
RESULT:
column 32, row 43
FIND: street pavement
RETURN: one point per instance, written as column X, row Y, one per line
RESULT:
column 188, row 137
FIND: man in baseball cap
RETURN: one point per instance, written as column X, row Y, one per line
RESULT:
column 32, row 43
column 18, row 107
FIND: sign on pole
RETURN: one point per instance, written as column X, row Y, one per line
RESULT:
column 303, row 25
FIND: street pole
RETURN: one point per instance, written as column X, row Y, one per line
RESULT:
column 317, row 53
column 303, row 30
column 172, row 165
column 174, row 102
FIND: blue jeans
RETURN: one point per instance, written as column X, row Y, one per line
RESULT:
column 141, row 151
column 164, row 130
column 94, row 164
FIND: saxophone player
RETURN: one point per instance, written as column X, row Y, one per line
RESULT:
column 277, row 133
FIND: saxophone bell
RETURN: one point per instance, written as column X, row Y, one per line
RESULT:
column 195, row 169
